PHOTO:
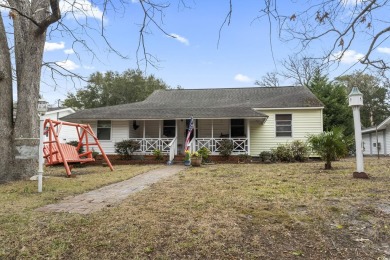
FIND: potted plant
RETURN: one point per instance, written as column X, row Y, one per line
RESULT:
column 196, row 159
column 187, row 158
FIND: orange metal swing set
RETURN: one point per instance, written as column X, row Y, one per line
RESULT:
column 60, row 153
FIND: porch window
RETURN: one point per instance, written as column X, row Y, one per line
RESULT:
column 237, row 127
column 169, row 129
column 283, row 125
column 104, row 129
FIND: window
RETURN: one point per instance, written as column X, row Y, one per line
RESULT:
column 104, row 129
column 283, row 125
column 169, row 129
column 237, row 127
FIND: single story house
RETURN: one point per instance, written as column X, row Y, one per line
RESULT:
column 377, row 139
column 255, row 119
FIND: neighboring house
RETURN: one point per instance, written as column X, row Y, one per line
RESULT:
column 377, row 139
column 66, row 133
column 254, row 119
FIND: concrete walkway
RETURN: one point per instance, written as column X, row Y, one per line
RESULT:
column 112, row 194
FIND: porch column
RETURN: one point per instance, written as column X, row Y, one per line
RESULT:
column 144, row 130
column 159, row 129
column 176, row 136
column 212, row 128
column 248, row 135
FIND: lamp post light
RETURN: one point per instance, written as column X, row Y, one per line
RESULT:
column 356, row 102
column 42, row 109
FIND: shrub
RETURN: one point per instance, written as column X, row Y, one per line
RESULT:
column 94, row 153
column 75, row 144
column 158, row 154
column 244, row 157
column 283, row 153
column 126, row 148
column 204, row 152
column 267, row 156
column 226, row 148
column 299, row 150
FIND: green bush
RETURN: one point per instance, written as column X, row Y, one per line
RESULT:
column 204, row 152
column 267, row 156
column 299, row 150
column 226, row 147
column 283, row 153
column 244, row 157
column 126, row 148
column 158, row 154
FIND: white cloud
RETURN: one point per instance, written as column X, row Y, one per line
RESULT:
column 68, row 65
column 88, row 67
column 180, row 38
column 52, row 46
column 351, row 2
column 385, row 50
column 80, row 9
column 349, row 56
column 69, row 51
column 242, row 78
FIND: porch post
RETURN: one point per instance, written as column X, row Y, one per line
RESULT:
column 212, row 128
column 143, row 130
column 248, row 135
column 143, row 137
column 159, row 129
column 159, row 146
column 176, row 137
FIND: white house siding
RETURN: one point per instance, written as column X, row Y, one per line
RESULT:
column 67, row 133
column 204, row 128
column 366, row 138
column 304, row 122
column 152, row 128
column 383, row 138
column 221, row 126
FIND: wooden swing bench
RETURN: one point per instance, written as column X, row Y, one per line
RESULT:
column 70, row 153
column 61, row 153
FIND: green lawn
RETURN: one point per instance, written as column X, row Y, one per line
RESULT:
column 228, row 211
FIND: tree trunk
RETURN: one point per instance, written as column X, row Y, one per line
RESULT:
column 6, row 110
column 29, row 47
column 328, row 165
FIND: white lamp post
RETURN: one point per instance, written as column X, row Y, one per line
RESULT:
column 356, row 101
column 42, row 109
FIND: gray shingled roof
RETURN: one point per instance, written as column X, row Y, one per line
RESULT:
column 205, row 103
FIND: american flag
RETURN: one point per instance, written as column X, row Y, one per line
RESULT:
column 190, row 128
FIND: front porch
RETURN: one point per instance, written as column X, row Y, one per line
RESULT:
column 169, row 136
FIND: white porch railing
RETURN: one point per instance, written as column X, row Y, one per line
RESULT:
column 148, row 145
column 172, row 149
column 240, row 145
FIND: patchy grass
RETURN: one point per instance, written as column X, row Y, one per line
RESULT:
column 248, row 211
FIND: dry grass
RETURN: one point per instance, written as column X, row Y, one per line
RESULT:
column 277, row 211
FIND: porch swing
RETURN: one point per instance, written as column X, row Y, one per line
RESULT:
column 61, row 153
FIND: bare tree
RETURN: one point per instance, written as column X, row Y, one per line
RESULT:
column 270, row 79
column 22, row 44
column 301, row 70
column 338, row 25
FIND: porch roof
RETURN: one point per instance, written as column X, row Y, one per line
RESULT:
column 206, row 103
column 123, row 112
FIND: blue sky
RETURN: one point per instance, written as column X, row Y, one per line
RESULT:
column 191, row 60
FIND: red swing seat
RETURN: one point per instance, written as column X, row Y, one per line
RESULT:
column 60, row 153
